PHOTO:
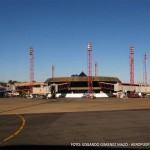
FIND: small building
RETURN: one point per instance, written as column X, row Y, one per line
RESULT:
column 126, row 87
column 27, row 87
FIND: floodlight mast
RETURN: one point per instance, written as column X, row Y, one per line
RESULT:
column 31, row 67
column 131, row 65
column 89, row 53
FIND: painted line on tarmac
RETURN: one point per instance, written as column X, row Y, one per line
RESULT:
column 16, row 132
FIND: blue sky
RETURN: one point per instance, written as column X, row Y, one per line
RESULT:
column 59, row 31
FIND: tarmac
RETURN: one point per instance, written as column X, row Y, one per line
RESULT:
column 75, row 122
column 32, row 106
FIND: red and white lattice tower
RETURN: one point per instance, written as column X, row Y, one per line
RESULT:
column 89, row 55
column 145, row 69
column 96, row 69
column 31, row 63
column 131, row 65
column 53, row 71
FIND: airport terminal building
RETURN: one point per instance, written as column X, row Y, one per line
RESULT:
column 79, row 84
column 72, row 84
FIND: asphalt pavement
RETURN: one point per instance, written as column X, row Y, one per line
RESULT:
column 126, row 126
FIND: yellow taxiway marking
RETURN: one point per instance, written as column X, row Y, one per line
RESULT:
column 16, row 132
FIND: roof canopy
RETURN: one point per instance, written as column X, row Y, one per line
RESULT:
column 82, row 79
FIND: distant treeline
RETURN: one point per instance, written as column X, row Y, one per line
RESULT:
column 9, row 82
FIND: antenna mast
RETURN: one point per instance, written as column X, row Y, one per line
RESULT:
column 53, row 71
column 145, row 69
